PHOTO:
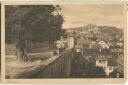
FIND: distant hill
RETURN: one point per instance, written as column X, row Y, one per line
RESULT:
column 95, row 28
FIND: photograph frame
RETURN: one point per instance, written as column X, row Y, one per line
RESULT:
column 71, row 80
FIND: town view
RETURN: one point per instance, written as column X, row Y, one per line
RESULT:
column 64, row 41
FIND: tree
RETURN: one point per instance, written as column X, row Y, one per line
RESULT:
column 116, row 74
column 32, row 24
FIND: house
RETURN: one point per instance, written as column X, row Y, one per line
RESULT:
column 107, row 64
column 101, row 63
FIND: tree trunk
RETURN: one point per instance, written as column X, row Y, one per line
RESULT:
column 21, row 48
column 22, row 52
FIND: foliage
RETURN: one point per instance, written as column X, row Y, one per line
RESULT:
column 26, row 24
column 82, row 68
column 115, row 73
column 33, row 23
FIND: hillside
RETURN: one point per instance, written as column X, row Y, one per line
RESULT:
column 97, row 29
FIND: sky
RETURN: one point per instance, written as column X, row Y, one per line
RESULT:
column 77, row 15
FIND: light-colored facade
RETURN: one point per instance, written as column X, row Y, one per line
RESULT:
column 103, row 62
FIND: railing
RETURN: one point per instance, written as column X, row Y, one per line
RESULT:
column 54, row 67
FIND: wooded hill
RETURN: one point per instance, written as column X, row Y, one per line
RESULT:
column 99, row 29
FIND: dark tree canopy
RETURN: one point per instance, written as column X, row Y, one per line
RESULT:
column 26, row 24
column 34, row 23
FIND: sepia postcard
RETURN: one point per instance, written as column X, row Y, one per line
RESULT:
column 64, row 42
